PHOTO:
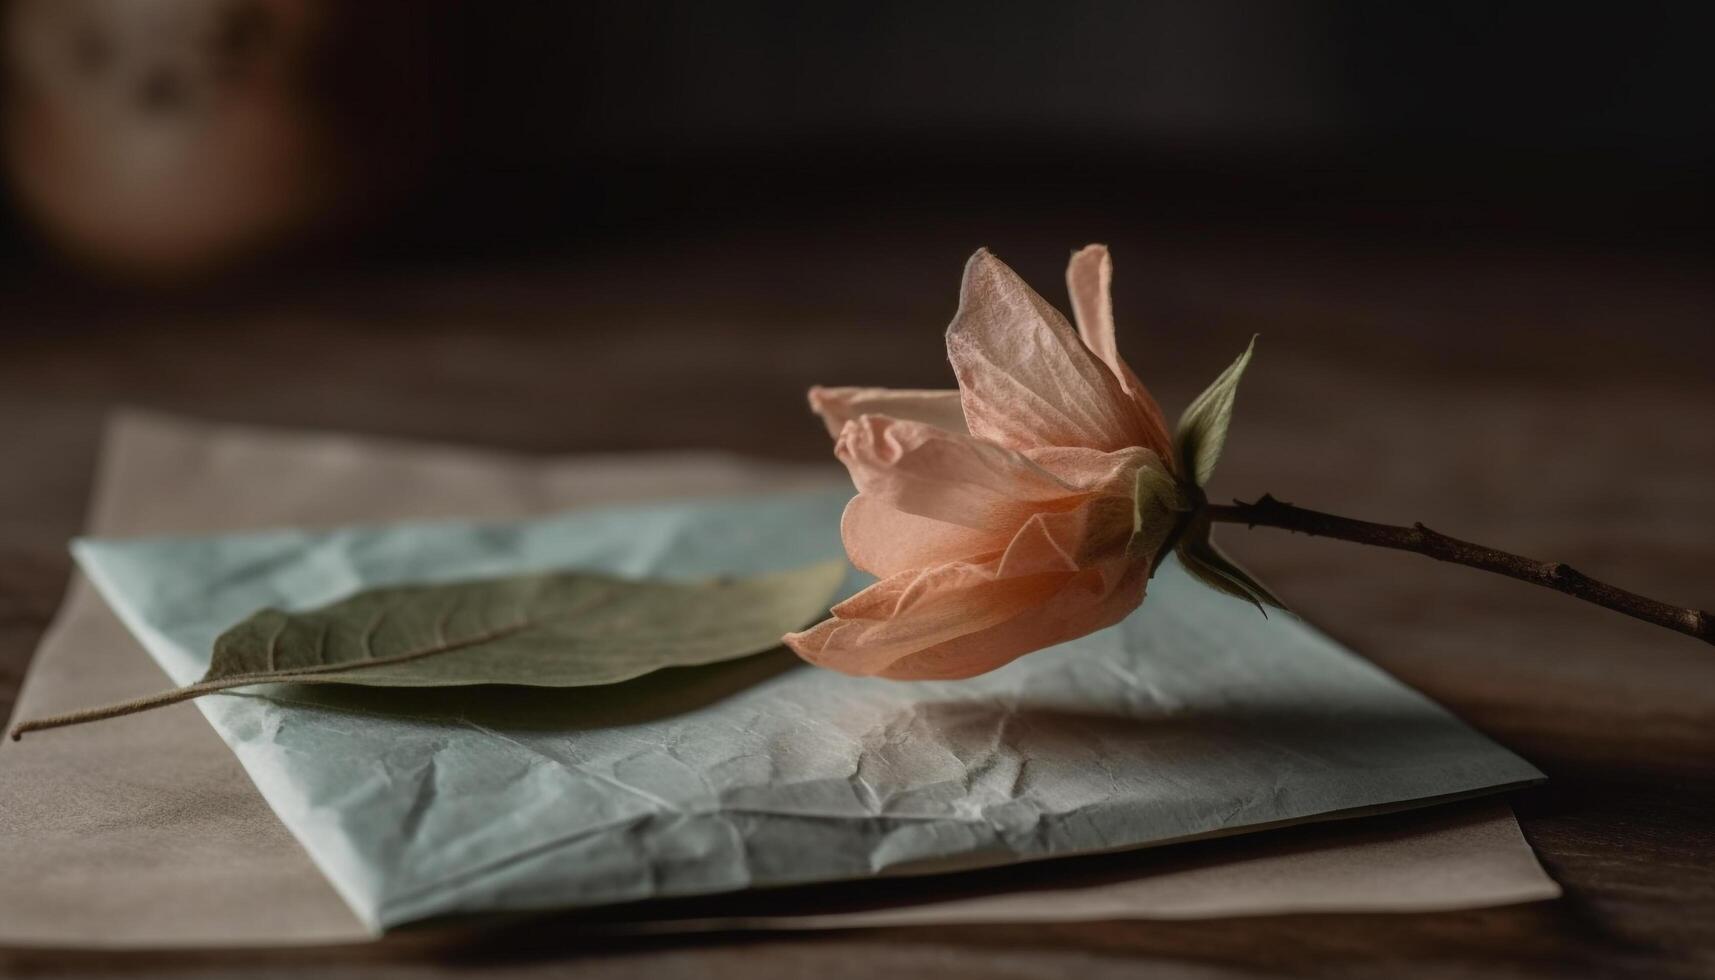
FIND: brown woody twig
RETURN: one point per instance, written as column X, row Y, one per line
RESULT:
column 1269, row 512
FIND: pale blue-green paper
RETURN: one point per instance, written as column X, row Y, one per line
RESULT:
column 1196, row 716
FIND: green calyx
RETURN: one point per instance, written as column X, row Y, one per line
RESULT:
column 1172, row 509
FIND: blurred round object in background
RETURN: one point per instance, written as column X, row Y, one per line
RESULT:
column 169, row 138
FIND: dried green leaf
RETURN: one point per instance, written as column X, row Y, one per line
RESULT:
column 563, row 629
column 1203, row 428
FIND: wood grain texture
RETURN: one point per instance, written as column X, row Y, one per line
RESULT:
column 1545, row 400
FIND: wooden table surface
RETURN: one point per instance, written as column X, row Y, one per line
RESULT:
column 1555, row 399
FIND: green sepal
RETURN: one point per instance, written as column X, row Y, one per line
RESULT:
column 1203, row 428
column 1209, row 565
column 1163, row 503
column 1197, row 445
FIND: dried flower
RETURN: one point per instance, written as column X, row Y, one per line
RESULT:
column 1026, row 508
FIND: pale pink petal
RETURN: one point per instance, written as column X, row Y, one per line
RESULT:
column 918, row 610
column 1094, row 471
column 883, row 540
column 920, row 469
column 1089, row 280
column 1093, row 533
column 962, row 620
column 837, row 406
column 1094, row 599
column 1025, row 379
column 1062, row 574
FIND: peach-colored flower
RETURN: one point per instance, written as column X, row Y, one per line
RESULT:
column 1001, row 517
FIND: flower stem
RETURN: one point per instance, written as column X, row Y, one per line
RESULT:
column 1269, row 512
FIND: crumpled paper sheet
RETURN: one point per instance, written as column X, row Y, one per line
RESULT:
column 140, row 832
column 1196, row 716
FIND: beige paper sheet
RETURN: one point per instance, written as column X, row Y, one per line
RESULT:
column 145, row 832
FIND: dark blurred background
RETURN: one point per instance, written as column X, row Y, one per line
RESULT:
column 178, row 139
column 609, row 225
column 652, row 224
